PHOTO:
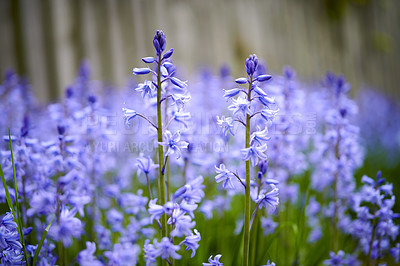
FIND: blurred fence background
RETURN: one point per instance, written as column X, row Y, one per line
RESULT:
column 45, row 40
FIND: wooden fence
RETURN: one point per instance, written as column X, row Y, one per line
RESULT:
column 46, row 40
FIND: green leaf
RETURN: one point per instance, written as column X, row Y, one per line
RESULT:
column 9, row 202
column 17, row 214
column 39, row 247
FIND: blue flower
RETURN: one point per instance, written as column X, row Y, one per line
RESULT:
column 179, row 83
column 192, row 191
column 150, row 253
column 128, row 114
column 115, row 219
column 259, row 136
column 179, row 100
column 269, row 263
column 214, row 262
column 225, row 176
column 181, row 223
column 174, row 143
column 254, row 153
column 182, row 117
column 192, row 242
column 269, row 114
column 159, row 42
column 146, row 88
column 226, row 124
column 141, row 71
column 68, row 227
column 269, row 199
column 395, row 252
column 155, row 210
column 251, row 64
column 86, row 257
column 232, row 92
column 123, row 254
column 166, row 249
column 240, row 106
column 145, row 164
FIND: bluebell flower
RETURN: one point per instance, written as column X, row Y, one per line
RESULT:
column 226, row 123
column 11, row 257
column 192, row 191
column 128, row 114
column 69, row 227
column 269, row 263
column 251, row 64
column 254, row 153
column 86, row 257
column 259, row 136
column 192, row 242
column 146, row 88
column 214, row 262
column 8, row 222
column 148, row 59
column 115, row 219
column 231, row 93
column 262, row 78
column 267, row 101
column 395, row 252
column 155, row 210
column 180, row 100
column 159, row 42
column 268, row 225
column 150, row 253
column 269, row 114
column 166, row 249
column 225, row 176
column 182, row 117
column 123, row 254
column 174, row 143
column 240, row 106
column 179, row 83
column 241, row 80
column 141, row 71
column 269, row 199
column 145, row 164
column 181, row 223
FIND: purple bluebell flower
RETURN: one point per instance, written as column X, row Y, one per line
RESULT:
column 395, row 252
column 269, row 263
column 192, row 242
column 123, row 253
column 141, row 71
column 214, row 262
column 269, row 199
column 226, row 123
column 115, row 219
column 181, row 223
column 251, row 64
column 166, row 249
column 241, row 80
column 159, row 42
column 150, row 253
column 179, row 83
column 268, row 225
column 182, row 117
column 225, row 176
column 155, row 210
column 128, row 114
column 145, row 164
column 231, row 93
column 148, row 59
column 254, row 153
column 259, row 136
column 147, row 89
column 86, row 257
column 180, row 100
column 174, row 143
column 67, row 228
column 240, row 106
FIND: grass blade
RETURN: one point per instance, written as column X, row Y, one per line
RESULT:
column 39, row 247
column 9, row 202
column 17, row 212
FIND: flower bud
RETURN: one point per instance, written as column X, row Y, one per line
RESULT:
column 159, row 42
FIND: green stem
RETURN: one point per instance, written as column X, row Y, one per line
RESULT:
column 247, row 211
column 160, row 149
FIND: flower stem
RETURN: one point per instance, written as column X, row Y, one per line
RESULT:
column 160, row 149
column 247, row 211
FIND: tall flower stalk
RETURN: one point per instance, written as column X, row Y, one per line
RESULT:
column 244, row 109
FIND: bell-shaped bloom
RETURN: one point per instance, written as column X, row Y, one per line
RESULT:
column 214, row 262
column 192, row 242
column 159, row 42
column 147, row 89
column 226, row 123
column 269, row 199
column 225, row 176
column 254, row 153
column 240, row 106
column 174, row 143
